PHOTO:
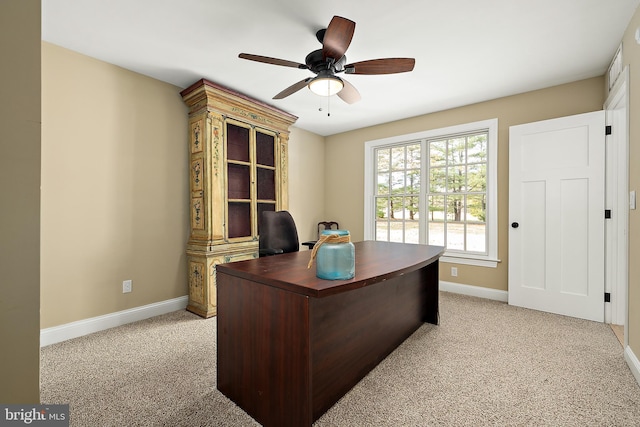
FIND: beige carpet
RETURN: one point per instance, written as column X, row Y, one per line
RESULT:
column 487, row 363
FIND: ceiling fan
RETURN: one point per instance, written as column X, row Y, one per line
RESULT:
column 331, row 60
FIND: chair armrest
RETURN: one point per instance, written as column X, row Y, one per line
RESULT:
column 310, row 244
column 270, row 251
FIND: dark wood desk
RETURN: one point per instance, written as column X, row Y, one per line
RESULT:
column 290, row 345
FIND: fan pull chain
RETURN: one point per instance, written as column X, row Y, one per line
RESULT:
column 328, row 105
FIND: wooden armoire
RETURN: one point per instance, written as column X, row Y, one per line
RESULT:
column 237, row 170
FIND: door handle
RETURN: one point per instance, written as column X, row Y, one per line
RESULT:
column 515, row 225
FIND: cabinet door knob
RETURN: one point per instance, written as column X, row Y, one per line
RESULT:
column 515, row 225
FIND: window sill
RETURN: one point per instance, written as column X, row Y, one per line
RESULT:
column 479, row 262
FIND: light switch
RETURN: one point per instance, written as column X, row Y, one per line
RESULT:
column 632, row 200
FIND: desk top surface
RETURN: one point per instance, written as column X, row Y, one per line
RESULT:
column 375, row 262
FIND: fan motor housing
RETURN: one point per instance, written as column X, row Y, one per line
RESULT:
column 316, row 62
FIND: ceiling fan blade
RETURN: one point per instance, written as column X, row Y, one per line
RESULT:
column 349, row 93
column 293, row 88
column 337, row 38
column 381, row 66
column 274, row 61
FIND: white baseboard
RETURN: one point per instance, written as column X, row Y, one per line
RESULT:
column 633, row 362
column 474, row 291
column 77, row 329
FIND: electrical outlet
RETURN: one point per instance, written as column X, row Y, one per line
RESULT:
column 454, row 271
column 126, row 286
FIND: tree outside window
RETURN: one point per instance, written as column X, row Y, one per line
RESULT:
column 398, row 193
column 457, row 192
column 437, row 187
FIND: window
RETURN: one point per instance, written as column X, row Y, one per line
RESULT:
column 457, row 192
column 436, row 187
column 398, row 193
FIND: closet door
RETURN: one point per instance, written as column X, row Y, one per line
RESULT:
column 556, row 215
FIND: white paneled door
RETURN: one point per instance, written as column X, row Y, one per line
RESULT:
column 556, row 215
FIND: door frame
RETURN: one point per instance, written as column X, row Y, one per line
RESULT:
column 617, row 199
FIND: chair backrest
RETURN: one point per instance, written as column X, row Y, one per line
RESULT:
column 278, row 231
column 327, row 225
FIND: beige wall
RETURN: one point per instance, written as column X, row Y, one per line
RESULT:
column 114, row 188
column 344, row 183
column 306, row 183
column 631, row 57
column 20, row 201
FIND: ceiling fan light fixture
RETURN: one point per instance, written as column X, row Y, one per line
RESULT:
column 326, row 85
column 331, row 60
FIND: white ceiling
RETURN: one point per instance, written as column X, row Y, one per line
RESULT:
column 466, row 51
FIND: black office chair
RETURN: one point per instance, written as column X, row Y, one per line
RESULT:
column 278, row 233
column 322, row 225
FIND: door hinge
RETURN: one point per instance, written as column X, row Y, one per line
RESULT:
column 607, row 297
column 607, row 214
column 607, row 130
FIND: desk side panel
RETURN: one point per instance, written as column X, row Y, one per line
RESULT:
column 353, row 331
column 263, row 351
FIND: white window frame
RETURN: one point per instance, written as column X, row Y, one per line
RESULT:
column 491, row 126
